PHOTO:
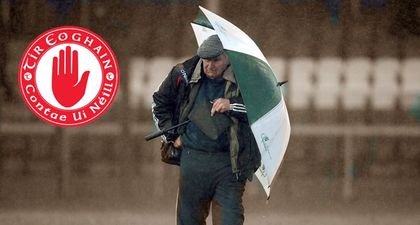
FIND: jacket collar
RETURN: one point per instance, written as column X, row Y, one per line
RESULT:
column 227, row 75
column 195, row 77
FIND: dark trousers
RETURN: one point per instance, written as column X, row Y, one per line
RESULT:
column 207, row 178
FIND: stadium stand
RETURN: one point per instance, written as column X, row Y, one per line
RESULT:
column 356, row 86
column 385, row 83
column 301, row 79
column 328, row 74
column 384, row 99
column 157, row 70
column 278, row 65
column 137, row 85
column 410, row 81
column 342, row 72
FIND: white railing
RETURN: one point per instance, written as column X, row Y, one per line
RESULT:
column 348, row 132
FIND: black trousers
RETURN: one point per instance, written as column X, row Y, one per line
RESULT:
column 207, row 178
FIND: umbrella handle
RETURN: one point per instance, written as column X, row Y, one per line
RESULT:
column 160, row 132
column 154, row 135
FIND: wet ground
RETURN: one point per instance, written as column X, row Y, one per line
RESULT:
column 304, row 201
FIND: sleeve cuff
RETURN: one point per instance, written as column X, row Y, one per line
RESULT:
column 237, row 107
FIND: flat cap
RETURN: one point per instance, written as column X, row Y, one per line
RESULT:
column 210, row 48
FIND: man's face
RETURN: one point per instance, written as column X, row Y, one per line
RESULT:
column 215, row 67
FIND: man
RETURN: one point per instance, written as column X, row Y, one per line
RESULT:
column 219, row 151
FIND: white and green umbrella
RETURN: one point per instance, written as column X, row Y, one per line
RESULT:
column 266, row 109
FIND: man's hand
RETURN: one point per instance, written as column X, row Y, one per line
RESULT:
column 178, row 143
column 220, row 105
column 67, row 88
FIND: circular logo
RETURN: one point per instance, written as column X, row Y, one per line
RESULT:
column 68, row 76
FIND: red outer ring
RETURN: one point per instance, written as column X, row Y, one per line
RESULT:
column 69, row 121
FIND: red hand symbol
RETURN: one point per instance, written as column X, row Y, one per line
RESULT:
column 65, row 75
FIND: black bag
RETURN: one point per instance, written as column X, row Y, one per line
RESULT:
column 170, row 154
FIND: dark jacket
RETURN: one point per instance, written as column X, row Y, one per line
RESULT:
column 173, row 101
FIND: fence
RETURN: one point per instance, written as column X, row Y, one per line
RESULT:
column 347, row 132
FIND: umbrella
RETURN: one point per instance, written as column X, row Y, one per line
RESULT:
column 266, row 109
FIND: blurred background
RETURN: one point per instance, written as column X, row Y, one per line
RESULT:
column 353, row 97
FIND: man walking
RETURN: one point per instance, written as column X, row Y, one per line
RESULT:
column 219, row 152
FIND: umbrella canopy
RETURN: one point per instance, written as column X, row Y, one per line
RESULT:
column 266, row 109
